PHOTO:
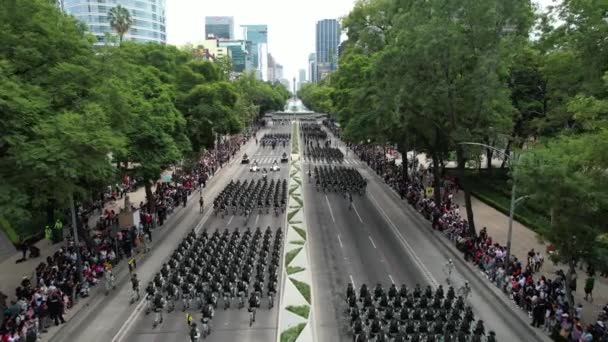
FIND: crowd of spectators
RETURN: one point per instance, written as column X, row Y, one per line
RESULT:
column 44, row 299
column 543, row 299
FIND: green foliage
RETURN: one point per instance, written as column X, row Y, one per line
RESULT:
column 300, row 310
column 70, row 110
column 567, row 176
column 120, row 21
column 291, row 334
column 294, row 269
column 303, row 288
column 301, row 232
column 290, row 255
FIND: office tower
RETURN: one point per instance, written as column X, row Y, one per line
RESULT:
column 258, row 36
column 148, row 18
column 328, row 39
column 312, row 67
column 271, row 69
column 219, row 27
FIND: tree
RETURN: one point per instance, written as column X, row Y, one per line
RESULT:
column 120, row 21
column 567, row 176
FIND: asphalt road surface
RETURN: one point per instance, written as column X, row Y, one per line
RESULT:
column 383, row 240
column 113, row 319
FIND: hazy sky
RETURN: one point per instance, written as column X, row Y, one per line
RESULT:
column 291, row 23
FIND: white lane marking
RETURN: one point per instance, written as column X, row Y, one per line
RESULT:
column 352, row 281
column 231, row 217
column 372, row 241
column 330, row 211
column 405, row 244
column 357, row 212
column 391, row 278
column 257, row 218
column 131, row 319
column 340, row 241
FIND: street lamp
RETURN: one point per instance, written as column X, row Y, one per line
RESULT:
column 514, row 201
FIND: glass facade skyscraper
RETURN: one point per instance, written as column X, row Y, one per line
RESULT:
column 258, row 36
column 219, row 27
column 148, row 18
column 328, row 40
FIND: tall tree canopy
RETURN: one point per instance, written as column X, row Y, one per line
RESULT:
column 74, row 114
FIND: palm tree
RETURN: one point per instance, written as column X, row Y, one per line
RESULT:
column 120, row 20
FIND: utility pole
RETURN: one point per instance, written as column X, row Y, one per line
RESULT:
column 75, row 233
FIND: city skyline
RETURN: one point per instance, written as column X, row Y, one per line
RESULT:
column 291, row 37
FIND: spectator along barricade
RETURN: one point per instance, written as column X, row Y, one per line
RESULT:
column 44, row 300
column 542, row 298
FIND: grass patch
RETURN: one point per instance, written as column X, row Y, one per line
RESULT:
column 291, row 334
column 291, row 254
column 300, row 310
column 294, row 269
column 296, row 222
column 494, row 189
column 298, row 242
column 303, row 288
column 297, row 199
column 292, row 214
column 300, row 231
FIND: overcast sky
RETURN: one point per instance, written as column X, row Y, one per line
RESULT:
column 291, row 23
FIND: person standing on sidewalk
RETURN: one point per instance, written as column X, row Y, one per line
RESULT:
column 589, row 284
column 109, row 279
column 56, row 307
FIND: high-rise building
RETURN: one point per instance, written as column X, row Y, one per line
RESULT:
column 302, row 75
column 219, row 27
column 301, row 78
column 271, row 69
column 328, row 39
column 278, row 72
column 312, row 67
column 148, row 18
column 258, row 36
column 238, row 52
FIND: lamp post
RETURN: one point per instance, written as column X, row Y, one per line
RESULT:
column 76, row 242
column 514, row 201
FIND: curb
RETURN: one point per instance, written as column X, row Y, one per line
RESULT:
column 494, row 291
column 92, row 302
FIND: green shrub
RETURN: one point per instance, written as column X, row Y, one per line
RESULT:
column 291, row 334
column 294, row 269
column 291, row 254
column 303, row 288
column 300, row 310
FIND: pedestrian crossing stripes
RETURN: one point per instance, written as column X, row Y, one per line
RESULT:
column 265, row 160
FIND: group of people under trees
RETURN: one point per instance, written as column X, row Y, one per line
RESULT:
column 243, row 197
column 543, row 298
column 232, row 267
column 399, row 314
column 57, row 284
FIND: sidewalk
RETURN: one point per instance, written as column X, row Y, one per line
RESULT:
column 12, row 273
column 523, row 240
